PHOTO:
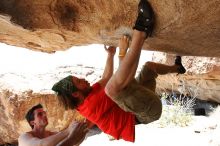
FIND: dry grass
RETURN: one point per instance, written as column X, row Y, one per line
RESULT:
column 178, row 111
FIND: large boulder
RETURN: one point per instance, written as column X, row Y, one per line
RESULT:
column 187, row 27
column 202, row 79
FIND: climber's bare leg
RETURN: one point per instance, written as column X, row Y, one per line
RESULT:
column 142, row 29
column 162, row 69
column 127, row 69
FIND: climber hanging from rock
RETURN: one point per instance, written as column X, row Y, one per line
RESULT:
column 119, row 101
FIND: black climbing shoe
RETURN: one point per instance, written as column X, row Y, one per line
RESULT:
column 145, row 19
column 178, row 62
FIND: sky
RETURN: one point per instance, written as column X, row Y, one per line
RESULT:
column 20, row 60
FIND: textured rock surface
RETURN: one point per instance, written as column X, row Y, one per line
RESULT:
column 189, row 27
column 202, row 79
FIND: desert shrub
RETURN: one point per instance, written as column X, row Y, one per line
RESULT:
column 178, row 108
column 178, row 111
